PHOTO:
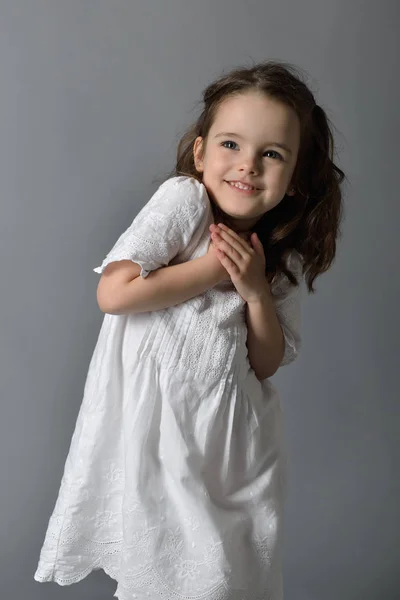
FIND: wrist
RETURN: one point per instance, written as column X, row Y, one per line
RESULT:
column 213, row 269
column 263, row 296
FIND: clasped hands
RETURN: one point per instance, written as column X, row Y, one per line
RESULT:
column 244, row 261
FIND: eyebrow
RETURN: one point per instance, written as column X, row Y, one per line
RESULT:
column 237, row 135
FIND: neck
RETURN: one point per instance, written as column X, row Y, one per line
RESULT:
column 241, row 227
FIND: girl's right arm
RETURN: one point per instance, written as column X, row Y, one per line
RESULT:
column 121, row 290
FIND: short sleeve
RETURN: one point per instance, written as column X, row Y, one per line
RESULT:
column 164, row 227
column 287, row 300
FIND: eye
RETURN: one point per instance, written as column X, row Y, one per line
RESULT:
column 277, row 155
column 233, row 145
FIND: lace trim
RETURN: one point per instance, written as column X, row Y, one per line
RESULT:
column 147, row 583
column 163, row 228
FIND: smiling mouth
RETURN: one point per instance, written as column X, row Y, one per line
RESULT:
column 242, row 186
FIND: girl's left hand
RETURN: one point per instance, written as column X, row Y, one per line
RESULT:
column 245, row 263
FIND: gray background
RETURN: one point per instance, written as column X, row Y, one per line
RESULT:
column 94, row 95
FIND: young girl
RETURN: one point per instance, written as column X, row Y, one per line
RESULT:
column 174, row 482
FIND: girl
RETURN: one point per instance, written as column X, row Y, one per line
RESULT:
column 174, row 482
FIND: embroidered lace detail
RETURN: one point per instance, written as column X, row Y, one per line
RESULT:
column 215, row 334
column 180, row 575
column 165, row 227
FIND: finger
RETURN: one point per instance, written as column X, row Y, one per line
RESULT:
column 226, row 262
column 240, row 237
column 232, row 238
column 237, row 236
column 258, row 247
column 255, row 240
column 227, row 249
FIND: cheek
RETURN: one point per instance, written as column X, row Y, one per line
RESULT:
column 281, row 178
column 215, row 164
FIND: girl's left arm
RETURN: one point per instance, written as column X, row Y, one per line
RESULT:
column 265, row 339
column 272, row 311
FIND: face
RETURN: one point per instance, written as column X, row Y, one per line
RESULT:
column 249, row 156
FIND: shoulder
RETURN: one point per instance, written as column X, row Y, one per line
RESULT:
column 186, row 192
column 295, row 263
column 281, row 283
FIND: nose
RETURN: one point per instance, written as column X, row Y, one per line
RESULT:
column 250, row 164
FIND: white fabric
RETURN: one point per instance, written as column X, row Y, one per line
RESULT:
column 174, row 481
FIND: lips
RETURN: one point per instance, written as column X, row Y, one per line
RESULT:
column 242, row 185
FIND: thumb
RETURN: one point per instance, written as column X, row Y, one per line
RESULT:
column 256, row 243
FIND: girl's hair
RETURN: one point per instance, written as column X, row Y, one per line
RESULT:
column 309, row 221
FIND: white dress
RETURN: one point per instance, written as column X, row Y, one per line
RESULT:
column 174, row 481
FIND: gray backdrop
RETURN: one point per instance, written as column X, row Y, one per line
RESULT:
column 94, row 95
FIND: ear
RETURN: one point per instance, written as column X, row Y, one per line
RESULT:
column 198, row 154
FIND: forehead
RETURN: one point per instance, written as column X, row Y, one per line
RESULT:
column 256, row 117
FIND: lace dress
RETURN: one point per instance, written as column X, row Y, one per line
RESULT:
column 174, row 481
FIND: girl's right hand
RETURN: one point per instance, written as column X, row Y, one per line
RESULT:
column 214, row 264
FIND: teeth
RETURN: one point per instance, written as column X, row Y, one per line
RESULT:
column 241, row 186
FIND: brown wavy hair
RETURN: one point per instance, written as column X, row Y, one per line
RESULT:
column 309, row 221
